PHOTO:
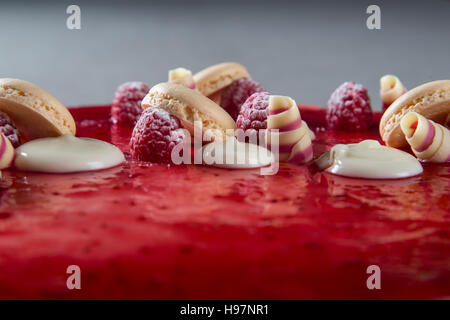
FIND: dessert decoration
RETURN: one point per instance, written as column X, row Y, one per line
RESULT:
column 390, row 89
column 182, row 76
column 8, row 128
column 349, row 108
column 369, row 160
column 253, row 114
column 126, row 107
column 312, row 135
column 233, row 154
column 219, row 76
column 155, row 135
column 190, row 106
column 293, row 135
column 35, row 112
column 212, row 80
column 236, row 93
column 431, row 100
column 65, row 154
column 6, row 152
column 227, row 84
column 429, row 140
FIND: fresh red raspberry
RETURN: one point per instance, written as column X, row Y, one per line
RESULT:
column 253, row 114
column 155, row 135
column 9, row 130
column 126, row 107
column 349, row 108
column 236, row 93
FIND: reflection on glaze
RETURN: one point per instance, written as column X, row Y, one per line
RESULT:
column 67, row 154
column 369, row 159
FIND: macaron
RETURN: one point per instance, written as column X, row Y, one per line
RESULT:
column 431, row 100
column 190, row 106
column 34, row 111
column 212, row 80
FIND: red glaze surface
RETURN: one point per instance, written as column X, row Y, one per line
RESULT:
column 187, row 232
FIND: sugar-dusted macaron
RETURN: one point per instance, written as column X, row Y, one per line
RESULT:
column 219, row 76
column 35, row 112
column 189, row 106
column 227, row 84
column 212, row 80
column 431, row 100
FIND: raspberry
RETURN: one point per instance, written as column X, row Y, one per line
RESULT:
column 349, row 108
column 8, row 128
column 126, row 107
column 253, row 114
column 236, row 93
column 155, row 135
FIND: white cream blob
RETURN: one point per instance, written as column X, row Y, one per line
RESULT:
column 369, row 159
column 67, row 153
column 233, row 154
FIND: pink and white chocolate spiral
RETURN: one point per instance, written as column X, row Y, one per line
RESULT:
column 429, row 140
column 294, row 140
column 390, row 89
column 7, row 152
column 182, row 76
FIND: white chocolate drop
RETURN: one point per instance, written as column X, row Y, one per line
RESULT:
column 370, row 160
column 233, row 154
column 67, row 153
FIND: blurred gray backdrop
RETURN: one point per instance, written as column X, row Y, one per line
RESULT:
column 301, row 49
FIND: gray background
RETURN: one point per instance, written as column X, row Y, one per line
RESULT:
column 301, row 49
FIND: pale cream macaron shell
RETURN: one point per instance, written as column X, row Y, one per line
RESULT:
column 35, row 112
column 219, row 76
column 188, row 106
column 431, row 100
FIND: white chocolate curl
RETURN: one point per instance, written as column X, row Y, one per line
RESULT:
column 429, row 140
column 293, row 133
column 182, row 76
column 7, row 152
column 390, row 89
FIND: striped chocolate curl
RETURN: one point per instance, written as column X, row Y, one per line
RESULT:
column 293, row 133
column 390, row 89
column 429, row 140
column 7, row 152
